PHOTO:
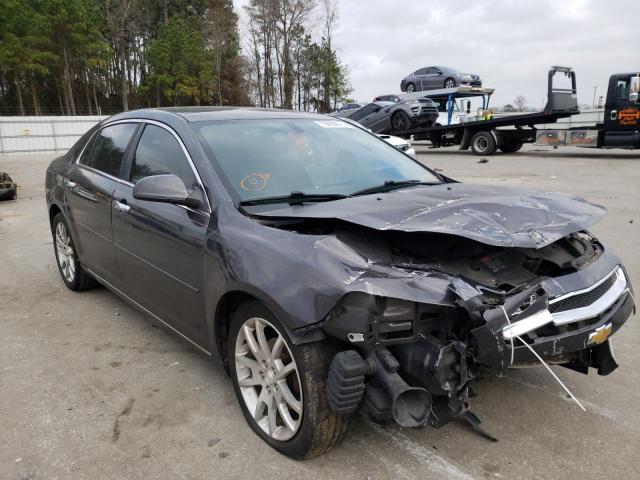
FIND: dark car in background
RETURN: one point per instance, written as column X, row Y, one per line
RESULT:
column 386, row 117
column 327, row 270
column 346, row 109
column 388, row 98
column 430, row 78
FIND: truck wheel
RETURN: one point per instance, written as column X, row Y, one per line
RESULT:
column 483, row 143
column 411, row 88
column 281, row 387
column 510, row 147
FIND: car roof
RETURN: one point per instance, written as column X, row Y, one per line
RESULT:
column 208, row 113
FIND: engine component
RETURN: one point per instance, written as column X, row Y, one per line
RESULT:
column 345, row 383
column 410, row 406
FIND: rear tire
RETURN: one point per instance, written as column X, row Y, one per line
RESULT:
column 73, row 274
column 510, row 147
column 317, row 428
column 483, row 143
column 400, row 121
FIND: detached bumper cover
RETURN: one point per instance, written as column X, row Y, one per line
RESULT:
column 565, row 329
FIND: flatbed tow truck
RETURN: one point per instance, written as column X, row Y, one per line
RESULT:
column 508, row 133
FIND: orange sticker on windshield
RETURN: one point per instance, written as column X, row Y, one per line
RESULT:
column 255, row 182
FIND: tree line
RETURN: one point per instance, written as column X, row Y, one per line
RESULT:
column 86, row 57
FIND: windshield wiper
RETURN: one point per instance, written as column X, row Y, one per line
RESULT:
column 294, row 198
column 389, row 185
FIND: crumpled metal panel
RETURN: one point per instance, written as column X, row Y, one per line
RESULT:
column 495, row 215
column 302, row 277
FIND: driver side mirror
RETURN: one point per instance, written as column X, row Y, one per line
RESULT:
column 164, row 188
column 634, row 89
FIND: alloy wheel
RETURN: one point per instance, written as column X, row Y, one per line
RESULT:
column 66, row 255
column 268, row 378
column 449, row 84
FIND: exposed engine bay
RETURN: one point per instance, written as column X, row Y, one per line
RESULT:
column 415, row 363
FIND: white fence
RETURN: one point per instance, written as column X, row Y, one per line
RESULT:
column 23, row 135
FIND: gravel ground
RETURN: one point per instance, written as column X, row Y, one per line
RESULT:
column 90, row 389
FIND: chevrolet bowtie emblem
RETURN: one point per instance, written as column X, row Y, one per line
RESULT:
column 600, row 335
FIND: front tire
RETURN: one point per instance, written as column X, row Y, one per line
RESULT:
column 75, row 277
column 400, row 121
column 449, row 83
column 483, row 143
column 281, row 386
column 411, row 88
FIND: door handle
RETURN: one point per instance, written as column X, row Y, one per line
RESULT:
column 69, row 183
column 613, row 115
column 121, row 206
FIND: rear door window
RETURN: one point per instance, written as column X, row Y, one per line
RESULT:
column 109, row 148
column 159, row 153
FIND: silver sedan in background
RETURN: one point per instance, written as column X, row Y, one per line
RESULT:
column 430, row 78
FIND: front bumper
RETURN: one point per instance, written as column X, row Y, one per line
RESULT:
column 424, row 118
column 562, row 336
column 561, row 347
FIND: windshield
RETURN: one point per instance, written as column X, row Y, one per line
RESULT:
column 275, row 157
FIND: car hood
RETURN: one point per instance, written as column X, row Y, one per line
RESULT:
column 495, row 215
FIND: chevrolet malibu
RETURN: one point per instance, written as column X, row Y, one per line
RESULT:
column 327, row 270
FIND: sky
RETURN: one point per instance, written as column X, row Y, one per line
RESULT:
column 510, row 43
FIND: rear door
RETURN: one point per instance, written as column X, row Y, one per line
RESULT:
column 89, row 189
column 160, row 246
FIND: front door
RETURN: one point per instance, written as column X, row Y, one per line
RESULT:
column 160, row 246
column 90, row 186
column 621, row 114
column 433, row 79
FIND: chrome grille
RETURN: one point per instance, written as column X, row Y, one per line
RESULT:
column 584, row 299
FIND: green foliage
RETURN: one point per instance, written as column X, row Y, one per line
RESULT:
column 100, row 56
column 180, row 64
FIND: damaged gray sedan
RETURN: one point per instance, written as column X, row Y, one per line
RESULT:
column 328, row 271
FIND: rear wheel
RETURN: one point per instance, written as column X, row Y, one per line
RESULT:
column 73, row 274
column 281, row 386
column 400, row 121
column 449, row 83
column 510, row 147
column 411, row 87
column 483, row 143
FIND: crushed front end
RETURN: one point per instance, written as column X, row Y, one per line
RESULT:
column 416, row 362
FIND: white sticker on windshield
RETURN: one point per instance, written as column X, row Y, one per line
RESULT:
column 333, row 124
